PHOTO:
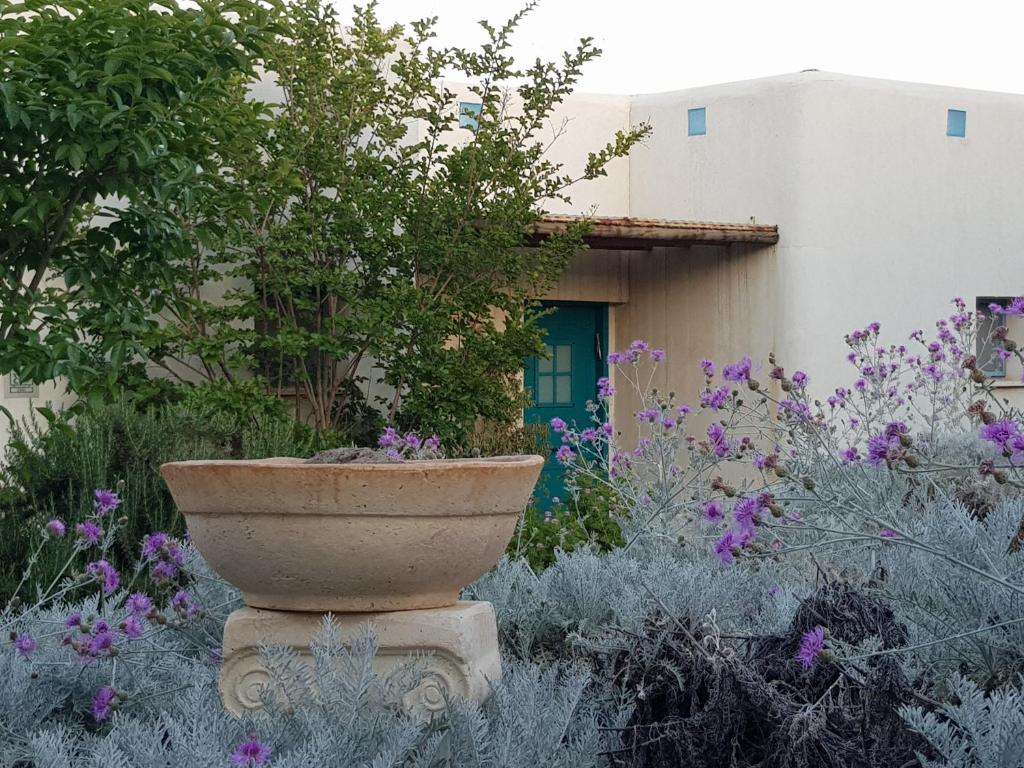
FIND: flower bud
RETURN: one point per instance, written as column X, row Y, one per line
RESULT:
column 754, row 384
column 1010, row 345
column 123, row 520
column 911, row 461
column 905, row 440
column 808, row 483
column 15, row 602
column 1000, row 477
column 781, row 471
column 987, row 417
column 977, row 376
column 787, row 385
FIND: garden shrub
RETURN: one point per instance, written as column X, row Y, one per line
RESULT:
column 853, row 601
column 587, row 519
column 53, row 465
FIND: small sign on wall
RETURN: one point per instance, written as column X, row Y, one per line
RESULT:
column 18, row 388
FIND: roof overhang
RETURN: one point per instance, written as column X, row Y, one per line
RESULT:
column 623, row 233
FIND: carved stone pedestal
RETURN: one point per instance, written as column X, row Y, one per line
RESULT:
column 459, row 646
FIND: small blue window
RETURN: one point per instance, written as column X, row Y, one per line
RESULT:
column 468, row 113
column 697, row 122
column 956, row 123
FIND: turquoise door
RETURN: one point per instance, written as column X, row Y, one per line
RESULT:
column 562, row 383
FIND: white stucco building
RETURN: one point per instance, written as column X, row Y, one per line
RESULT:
column 839, row 200
column 889, row 199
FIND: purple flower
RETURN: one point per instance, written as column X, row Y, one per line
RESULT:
column 725, row 547
column 649, row 416
column 101, row 642
column 564, row 454
column 1015, row 307
column 712, row 511
column 139, row 604
column 888, row 533
column 812, row 645
column 604, row 388
column 639, row 346
column 657, row 355
column 738, row 371
column 708, row 367
column 715, row 400
column 849, row 455
column 589, row 435
column 1000, row 434
column 102, row 703
column 250, row 753
column 389, row 438
column 185, row 605
column 89, row 533
column 558, row 425
column 800, row 379
column 412, row 440
column 25, row 645
column 56, row 528
column 133, row 628
column 719, row 441
column 73, row 620
column 746, row 513
column 105, row 501
column 106, row 573
column 153, row 544
column 163, row 572
column 432, row 443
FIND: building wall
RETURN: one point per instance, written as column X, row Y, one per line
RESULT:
column 881, row 215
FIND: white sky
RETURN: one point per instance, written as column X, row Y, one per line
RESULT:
column 653, row 45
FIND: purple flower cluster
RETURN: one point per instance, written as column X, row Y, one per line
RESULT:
column 737, row 372
column 717, row 399
column 1007, row 437
column 186, row 606
column 106, row 574
column 632, row 355
column 90, row 641
column 718, row 441
column 165, row 555
column 398, row 446
column 56, row 528
column 888, row 445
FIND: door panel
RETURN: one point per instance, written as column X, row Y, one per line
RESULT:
column 562, row 383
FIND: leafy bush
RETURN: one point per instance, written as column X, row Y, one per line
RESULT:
column 588, row 519
column 54, row 468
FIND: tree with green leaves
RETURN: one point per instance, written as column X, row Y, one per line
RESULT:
column 351, row 228
column 111, row 111
column 373, row 228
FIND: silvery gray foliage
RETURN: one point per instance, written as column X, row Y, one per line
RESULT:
column 587, row 595
column 338, row 713
column 944, row 604
column 981, row 731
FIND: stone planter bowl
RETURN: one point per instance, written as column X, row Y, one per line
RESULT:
column 352, row 537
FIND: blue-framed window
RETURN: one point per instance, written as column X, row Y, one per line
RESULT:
column 956, row 123
column 697, row 121
column 988, row 349
column 469, row 114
